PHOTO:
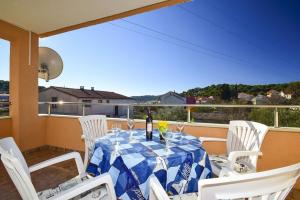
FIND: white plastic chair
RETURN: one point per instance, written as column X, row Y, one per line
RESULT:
column 268, row 185
column 243, row 142
column 93, row 127
column 80, row 187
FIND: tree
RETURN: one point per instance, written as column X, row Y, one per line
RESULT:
column 225, row 92
column 234, row 92
column 4, row 86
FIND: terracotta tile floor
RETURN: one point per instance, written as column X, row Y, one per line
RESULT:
column 53, row 175
column 42, row 179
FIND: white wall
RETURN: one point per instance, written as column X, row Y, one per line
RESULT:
column 103, row 109
column 109, row 110
column 46, row 96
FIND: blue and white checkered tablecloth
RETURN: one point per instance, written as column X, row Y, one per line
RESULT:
column 178, row 169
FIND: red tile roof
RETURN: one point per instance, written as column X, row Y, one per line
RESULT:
column 91, row 94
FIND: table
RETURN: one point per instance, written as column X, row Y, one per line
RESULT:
column 178, row 169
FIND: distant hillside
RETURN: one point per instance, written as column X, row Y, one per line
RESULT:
column 145, row 98
column 217, row 90
column 4, row 86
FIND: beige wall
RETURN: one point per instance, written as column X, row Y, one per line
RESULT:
column 279, row 148
column 25, row 124
column 64, row 132
column 5, row 127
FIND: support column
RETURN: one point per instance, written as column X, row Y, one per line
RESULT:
column 27, row 128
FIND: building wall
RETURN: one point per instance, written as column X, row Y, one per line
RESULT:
column 109, row 110
column 23, row 86
column 46, row 96
column 5, row 124
column 64, row 132
column 69, row 109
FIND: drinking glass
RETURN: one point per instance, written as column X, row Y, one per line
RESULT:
column 180, row 126
column 130, row 123
column 116, row 128
column 168, row 137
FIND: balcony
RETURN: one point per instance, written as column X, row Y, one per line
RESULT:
column 43, row 136
column 280, row 147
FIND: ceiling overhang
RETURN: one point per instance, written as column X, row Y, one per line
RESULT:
column 51, row 17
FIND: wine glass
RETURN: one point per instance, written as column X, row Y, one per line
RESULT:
column 130, row 123
column 167, row 137
column 116, row 128
column 180, row 126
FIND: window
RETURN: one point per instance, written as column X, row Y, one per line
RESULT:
column 54, row 99
column 107, row 101
column 100, row 101
column 87, row 101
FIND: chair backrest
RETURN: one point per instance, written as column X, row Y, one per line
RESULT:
column 9, row 145
column 93, row 127
column 273, row 184
column 17, row 172
column 246, row 136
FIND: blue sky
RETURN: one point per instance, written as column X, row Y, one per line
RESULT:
column 181, row 47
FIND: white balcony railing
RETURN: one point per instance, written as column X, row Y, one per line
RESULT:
column 187, row 107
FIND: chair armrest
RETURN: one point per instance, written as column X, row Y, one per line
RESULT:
column 212, row 139
column 87, row 186
column 157, row 190
column 52, row 161
column 234, row 155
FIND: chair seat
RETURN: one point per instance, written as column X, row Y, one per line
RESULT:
column 99, row 193
column 188, row 196
column 221, row 161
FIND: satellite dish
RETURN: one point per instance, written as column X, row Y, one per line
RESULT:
column 50, row 64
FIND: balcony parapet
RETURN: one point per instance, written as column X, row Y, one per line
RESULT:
column 192, row 124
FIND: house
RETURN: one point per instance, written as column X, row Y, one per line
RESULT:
column 97, row 102
column 276, row 97
column 205, row 100
column 260, row 100
column 245, row 97
column 273, row 93
column 171, row 98
column 191, row 100
column 287, row 96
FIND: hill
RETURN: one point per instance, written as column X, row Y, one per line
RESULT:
column 4, row 87
column 230, row 91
